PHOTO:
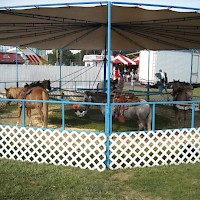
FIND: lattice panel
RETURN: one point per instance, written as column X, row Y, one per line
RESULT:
column 79, row 149
column 154, row 148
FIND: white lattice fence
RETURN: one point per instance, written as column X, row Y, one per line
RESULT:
column 79, row 149
column 88, row 150
column 154, row 148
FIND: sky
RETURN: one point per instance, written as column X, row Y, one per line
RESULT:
column 75, row 51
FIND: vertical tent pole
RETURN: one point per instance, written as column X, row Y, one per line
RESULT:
column 191, row 66
column 17, row 67
column 148, row 86
column 108, row 127
column 60, row 64
column 105, row 61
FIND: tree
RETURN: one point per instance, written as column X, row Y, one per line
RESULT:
column 68, row 57
column 52, row 58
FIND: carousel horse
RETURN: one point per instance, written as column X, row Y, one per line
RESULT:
column 182, row 91
column 34, row 93
column 127, row 112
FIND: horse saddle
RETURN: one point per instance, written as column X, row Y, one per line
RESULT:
column 25, row 92
column 124, row 98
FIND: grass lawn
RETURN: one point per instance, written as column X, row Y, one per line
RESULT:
column 196, row 92
column 22, row 180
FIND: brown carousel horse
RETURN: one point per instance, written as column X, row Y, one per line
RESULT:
column 182, row 91
column 31, row 93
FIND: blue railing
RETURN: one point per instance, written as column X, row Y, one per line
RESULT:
column 63, row 103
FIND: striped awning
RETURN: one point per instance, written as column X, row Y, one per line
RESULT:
column 33, row 57
column 120, row 59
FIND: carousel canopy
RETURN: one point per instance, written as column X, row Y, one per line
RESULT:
column 120, row 59
column 81, row 24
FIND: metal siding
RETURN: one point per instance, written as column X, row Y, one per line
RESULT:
column 70, row 74
column 176, row 64
column 196, row 68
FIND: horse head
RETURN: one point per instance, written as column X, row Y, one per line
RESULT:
column 46, row 84
column 178, row 88
column 81, row 109
column 182, row 91
column 13, row 93
column 9, row 94
column 188, row 93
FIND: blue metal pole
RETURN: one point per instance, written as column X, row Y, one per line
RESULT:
column 153, row 116
column 105, row 61
column 17, row 67
column 108, row 125
column 191, row 66
column 60, row 64
column 63, row 116
column 193, row 113
column 23, row 114
column 148, row 75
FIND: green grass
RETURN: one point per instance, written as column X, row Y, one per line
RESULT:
column 196, row 92
column 22, row 180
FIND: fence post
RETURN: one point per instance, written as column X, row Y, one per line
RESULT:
column 17, row 67
column 193, row 112
column 153, row 116
column 60, row 64
column 108, row 126
column 23, row 113
column 63, row 116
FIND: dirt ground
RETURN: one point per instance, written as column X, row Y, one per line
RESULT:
column 10, row 118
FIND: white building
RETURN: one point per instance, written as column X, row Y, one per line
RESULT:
column 179, row 65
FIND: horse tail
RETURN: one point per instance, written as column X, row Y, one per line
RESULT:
column 45, row 96
column 149, row 120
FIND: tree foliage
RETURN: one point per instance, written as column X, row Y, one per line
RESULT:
column 67, row 57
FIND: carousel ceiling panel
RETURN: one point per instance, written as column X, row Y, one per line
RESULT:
column 85, row 27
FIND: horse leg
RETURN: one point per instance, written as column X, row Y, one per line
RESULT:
column 19, row 113
column 185, row 117
column 39, row 109
column 149, row 121
column 178, row 116
column 28, row 112
column 182, row 118
column 45, row 96
column 141, row 126
column 144, row 121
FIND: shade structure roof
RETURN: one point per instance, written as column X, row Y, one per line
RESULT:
column 120, row 59
column 80, row 24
